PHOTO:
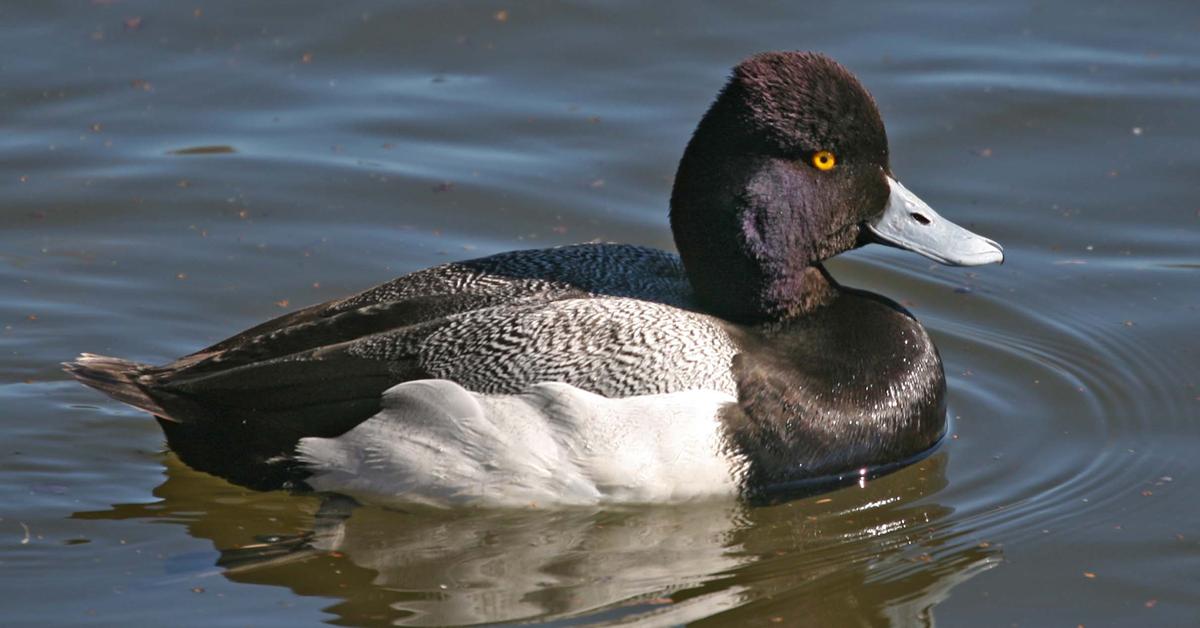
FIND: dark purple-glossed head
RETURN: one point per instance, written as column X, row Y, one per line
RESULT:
column 750, row 210
column 788, row 167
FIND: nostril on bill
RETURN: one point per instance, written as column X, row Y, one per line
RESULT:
column 921, row 218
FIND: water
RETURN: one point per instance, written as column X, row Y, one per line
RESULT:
column 172, row 173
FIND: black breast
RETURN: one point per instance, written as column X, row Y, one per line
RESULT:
column 854, row 384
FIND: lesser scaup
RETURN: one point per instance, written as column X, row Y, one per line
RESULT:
column 601, row 373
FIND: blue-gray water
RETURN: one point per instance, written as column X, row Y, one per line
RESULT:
column 171, row 173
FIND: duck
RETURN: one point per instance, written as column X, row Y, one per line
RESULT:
column 605, row 373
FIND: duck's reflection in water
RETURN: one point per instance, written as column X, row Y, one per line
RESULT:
column 878, row 554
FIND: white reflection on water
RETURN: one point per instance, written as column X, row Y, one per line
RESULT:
column 662, row 565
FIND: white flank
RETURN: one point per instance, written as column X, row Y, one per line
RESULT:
column 437, row 443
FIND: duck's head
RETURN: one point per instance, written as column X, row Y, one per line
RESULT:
column 789, row 167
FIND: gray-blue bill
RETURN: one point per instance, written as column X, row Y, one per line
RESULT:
column 908, row 223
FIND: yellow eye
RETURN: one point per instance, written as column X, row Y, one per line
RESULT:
column 823, row 160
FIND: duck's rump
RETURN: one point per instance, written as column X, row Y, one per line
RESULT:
column 604, row 318
column 243, row 424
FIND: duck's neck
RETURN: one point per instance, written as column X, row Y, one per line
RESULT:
column 797, row 294
column 748, row 295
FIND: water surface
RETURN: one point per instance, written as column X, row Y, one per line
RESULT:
column 173, row 173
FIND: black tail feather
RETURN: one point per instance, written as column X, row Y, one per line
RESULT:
column 116, row 378
column 243, row 423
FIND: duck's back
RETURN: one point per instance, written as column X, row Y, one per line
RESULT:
column 616, row 320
